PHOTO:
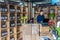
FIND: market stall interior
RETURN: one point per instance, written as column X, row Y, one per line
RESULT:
column 13, row 14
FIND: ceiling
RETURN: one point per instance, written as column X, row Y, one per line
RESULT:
column 35, row 2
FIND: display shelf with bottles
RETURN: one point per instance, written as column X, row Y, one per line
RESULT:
column 19, row 20
column 58, row 17
column 10, row 21
column 3, row 8
column 36, row 12
column 58, row 13
column 25, row 12
column 54, row 13
column 46, row 12
column 3, row 21
column 12, row 16
column 4, row 17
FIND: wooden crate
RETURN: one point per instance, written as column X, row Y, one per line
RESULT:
column 45, row 29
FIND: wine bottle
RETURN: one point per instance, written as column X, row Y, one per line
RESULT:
column 18, row 22
column 3, row 25
column 12, row 23
column 3, row 8
column 4, row 17
column 4, row 33
column 11, row 31
column 12, row 38
column 12, row 9
column 12, row 16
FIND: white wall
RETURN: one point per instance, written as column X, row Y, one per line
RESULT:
column 32, row 15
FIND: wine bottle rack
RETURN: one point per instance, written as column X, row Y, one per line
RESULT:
column 4, row 8
column 10, row 21
column 18, row 16
column 56, row 8
column 12, row 16
column 58, row 14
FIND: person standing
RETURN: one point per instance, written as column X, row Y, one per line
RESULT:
column 40, row 17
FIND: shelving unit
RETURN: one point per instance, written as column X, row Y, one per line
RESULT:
column 55, row 8
column 25, row 11
column 57, row 13
column 10, row 22
column 37, row 11
column 47, row 11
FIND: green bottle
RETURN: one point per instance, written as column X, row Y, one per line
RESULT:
column 52, row 15
column 24, row 19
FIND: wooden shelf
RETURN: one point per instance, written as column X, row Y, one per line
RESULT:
column 12, row 34
column 11, row 13
column 4, row 38
column 4, row 28
column 56, row 8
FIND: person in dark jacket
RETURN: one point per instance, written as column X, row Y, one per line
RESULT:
column 40, row 17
